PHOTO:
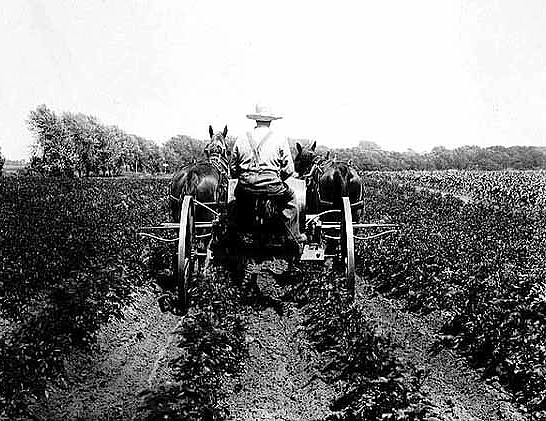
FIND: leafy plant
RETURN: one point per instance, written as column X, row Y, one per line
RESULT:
column 71, row 259
column 483, row 264
column 374, row 385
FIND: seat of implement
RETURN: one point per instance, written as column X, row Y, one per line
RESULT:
column 255, row 229
column 258, row 213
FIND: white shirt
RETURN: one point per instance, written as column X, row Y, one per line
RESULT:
column 272, row 150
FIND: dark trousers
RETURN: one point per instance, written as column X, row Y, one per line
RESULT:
column 271, row 185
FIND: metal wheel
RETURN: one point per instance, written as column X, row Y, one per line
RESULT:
column 186, row 255
column 348, row 245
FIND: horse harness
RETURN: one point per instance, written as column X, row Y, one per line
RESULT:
column 320, row 165
column 220, row 164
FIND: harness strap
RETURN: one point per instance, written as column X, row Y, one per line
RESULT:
column 256, row 147
column 221, row 166
column 312, row 179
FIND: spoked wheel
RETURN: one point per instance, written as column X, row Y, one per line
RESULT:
column 348, row 245
column 186, row 252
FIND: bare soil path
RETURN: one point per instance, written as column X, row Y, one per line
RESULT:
column 281, row 378
column 451, row 385
column 131, row 355
column 279, row 381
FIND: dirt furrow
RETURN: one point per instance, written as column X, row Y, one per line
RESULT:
column 451, row 385
column 280, row 380
column 131, row 356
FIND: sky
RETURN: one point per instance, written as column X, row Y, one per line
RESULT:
column 404, row 74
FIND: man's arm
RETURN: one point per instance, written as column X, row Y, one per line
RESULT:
column 234, row 161
column 287, row 163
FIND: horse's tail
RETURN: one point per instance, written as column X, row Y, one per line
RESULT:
column 190, row 184
column 340, row 187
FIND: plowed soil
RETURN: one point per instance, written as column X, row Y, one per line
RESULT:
column 130, row 355
column 281, row 378
column 452, row 386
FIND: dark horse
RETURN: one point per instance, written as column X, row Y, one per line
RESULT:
column 206, row 181
column 328, row 181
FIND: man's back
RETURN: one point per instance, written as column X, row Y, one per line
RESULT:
column 262, row 161
column 262, row 150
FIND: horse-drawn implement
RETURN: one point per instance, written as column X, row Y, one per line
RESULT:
column 201, row 243
column 225, row 230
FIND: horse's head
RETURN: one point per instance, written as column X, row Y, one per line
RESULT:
column 217, row 146
column 305, row 158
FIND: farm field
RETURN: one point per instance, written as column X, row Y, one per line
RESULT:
column 519, row 189
column 70, row 261
column 460, row 279
column 482, row 261
column 12, row 167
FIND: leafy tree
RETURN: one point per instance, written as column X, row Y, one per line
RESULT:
column 367, row 145
column 368, row 156
column 55, row 152
column 117, row 150
column 83, row 132
column 80, row 143
column 2, row 161
column 180, row 150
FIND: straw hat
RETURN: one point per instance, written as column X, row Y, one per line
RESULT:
column 263, row 113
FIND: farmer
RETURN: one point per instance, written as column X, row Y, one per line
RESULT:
column 262, row 161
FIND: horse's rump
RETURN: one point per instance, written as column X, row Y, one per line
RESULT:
column 339, row 180
column 201, row 181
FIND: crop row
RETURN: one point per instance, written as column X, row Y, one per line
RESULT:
column 371, row 382
column 71, row 258
column 211, row 339
column 521, row 189
column 484, row 265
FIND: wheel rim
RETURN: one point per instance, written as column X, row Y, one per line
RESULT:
column 347, row 238
column 185, row 251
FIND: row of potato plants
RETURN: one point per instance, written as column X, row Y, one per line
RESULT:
column 521, row 189
column 485, row 266
column 212, row 348
column 357, row 357
column 71, row 258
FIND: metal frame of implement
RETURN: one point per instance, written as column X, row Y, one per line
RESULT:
column 188, row 255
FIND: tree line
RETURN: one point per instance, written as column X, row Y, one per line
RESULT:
column 2, row 161
column 72, row 144
column 78, row 144
column 369, row 156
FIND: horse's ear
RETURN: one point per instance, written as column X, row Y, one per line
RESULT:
column 313, row 146
column 224, row 133
column 298, row 147
column 211, row 132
